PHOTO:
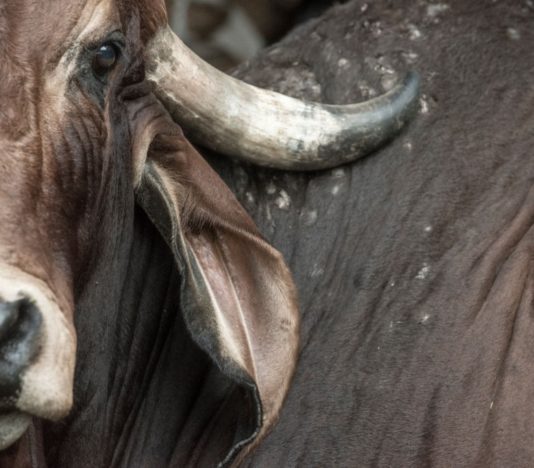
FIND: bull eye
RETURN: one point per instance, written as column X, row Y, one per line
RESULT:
column 105, row 58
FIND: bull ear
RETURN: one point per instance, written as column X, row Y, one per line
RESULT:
column 238, row 299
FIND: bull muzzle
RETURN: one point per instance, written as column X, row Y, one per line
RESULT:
column 37, row 354
column 20, row 334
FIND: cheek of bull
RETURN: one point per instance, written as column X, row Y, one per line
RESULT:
column 46, row 383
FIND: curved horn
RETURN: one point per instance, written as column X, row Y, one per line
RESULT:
column 267, row 128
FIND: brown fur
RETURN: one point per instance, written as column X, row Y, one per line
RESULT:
column 76, row 151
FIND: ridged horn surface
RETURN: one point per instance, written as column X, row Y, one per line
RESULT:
column 267, row 128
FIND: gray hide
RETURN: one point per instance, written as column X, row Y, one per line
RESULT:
column 414, row 265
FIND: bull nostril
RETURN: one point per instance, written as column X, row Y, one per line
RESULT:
column 9, row 313
column 20, row 326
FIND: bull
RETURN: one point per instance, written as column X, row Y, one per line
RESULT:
column 140, row 306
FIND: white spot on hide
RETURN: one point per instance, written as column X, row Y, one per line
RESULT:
column 269, row 214
column 423, row 102
column 410, row 57
column 425, row 318
column 366, row 90
column 250, row 198
column 376, row 28
column 414, row 32
column 270, row 189
column 343, row 63
column 335, row 189
column 408, row 145
column 435, row 9
column 428, row 228
column 283, row 201
column 423, row 272
column 388, row 82
column 381, row 65
column 513, row 34
column 309, row 218
column 317, row 271
column 364, row 7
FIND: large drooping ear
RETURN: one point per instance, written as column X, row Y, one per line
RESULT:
column 238, row 298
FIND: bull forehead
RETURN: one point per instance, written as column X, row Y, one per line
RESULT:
column 40, row 31
column 35, row 38
column 44, row 27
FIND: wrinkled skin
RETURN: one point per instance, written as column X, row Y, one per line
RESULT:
column 116, row 233
column 66, row 171
column 77, row 169
column 415, row 265
column 414, row 269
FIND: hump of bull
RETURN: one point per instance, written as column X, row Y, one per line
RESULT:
column 414, row 265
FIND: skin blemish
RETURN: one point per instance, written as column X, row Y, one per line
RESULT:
column 424, row 319
column 283, row 202
column 423, row 272
column 513, row 34
column 366, row 90
column 435, row 9
column 414, row 32
column 250, row 198
column 376, row 28
column 423, row 102
column 343, row 63
column 269, row 215
column 317, row 271
column 381, row 65
column 309, row 218
column 410, row 57
column 388, row 82
column 270, row 189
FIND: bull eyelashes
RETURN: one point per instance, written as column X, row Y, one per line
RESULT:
column 105, row 58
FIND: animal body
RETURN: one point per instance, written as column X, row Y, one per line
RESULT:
column 144, row 321
column 414, row 266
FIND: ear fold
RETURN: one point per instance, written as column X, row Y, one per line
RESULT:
column 238, row 299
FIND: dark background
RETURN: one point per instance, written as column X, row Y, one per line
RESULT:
column 228, row 32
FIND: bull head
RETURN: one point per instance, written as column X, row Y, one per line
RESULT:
column 92, row 93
